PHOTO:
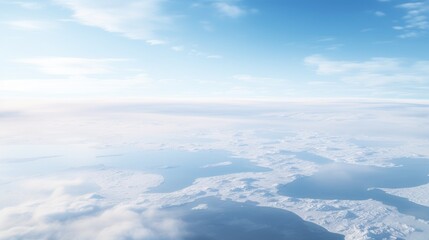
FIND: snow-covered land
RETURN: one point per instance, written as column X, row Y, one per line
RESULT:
column 57, row 178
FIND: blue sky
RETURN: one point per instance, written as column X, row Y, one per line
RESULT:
column 272, row 49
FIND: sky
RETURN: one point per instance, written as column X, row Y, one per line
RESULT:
column 261, row 49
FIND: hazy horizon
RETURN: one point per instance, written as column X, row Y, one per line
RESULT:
column 214, row 119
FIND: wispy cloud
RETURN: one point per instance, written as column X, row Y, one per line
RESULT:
column 214, row 56
column 379, row 14
column 326, row 66
column 177, row 48
column 251, row 78
column 78, row 86
column 156, row 42
column 28, row 4
column 326, row 39
column 197, row 53
column 229, row 9
column 132, row 18
column 372, row 72
column 30, row 25
column 415, row 20
column 71, row 66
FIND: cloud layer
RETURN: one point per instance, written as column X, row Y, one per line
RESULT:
column 32, row 25
column 372, row 72
column 66, row 208
column 71, row 66
column 132, row 18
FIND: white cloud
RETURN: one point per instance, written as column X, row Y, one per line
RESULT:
column 411, row 34
column 415, row 19
column 28, row 5
column 197, row 53
column 334, row 46
column 135, row 19
column 201, row 207
column 32, row 25
column 379, row 14
column 178, row 48
column 372, row 72
column 326, row 39
column 214, row 57
column 229, row 10
column 250, row 78
column 156, row 42
column 377, row 79
column 71, row 66
column 124, row 223
column 325, row 66
column 84, row 215
column 422, row 66
column 76, row 87
column 221, row 164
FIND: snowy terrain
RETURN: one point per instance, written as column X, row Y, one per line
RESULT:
column 76, row 192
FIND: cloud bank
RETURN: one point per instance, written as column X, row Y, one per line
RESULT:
column 63, row 209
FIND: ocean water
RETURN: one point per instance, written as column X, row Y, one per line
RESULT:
column 178, row 168
column 228, row 220
column 181, row 168
column 358, row 182
column 218, row 219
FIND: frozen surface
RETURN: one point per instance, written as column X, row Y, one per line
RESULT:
column 354, row 182
column 95, row 167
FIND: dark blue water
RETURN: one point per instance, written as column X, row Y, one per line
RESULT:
column 357, row 182
column 228, row 220
column 181, row 168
